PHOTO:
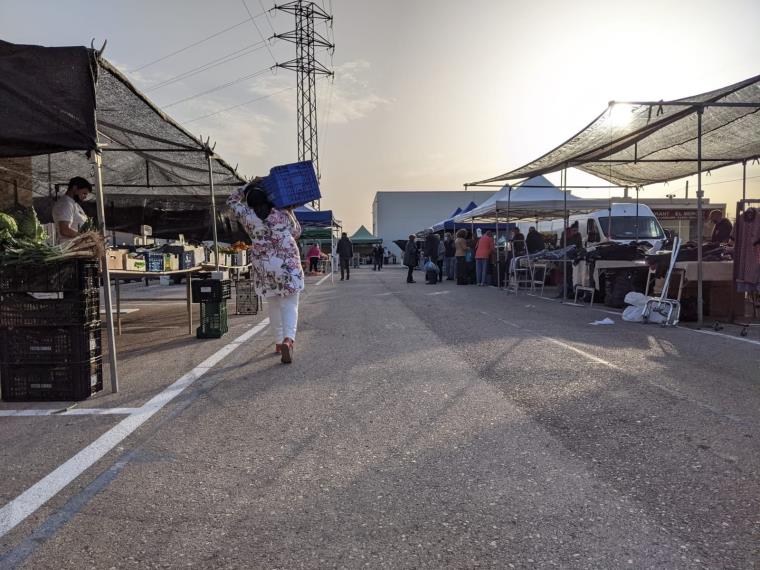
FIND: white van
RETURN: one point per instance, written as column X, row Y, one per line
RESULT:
column 626, row 224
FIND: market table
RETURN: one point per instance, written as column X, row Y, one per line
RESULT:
column 711, row 270
column 236, row 269
column 118, row 274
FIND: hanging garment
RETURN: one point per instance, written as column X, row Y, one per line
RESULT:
column 748, row 257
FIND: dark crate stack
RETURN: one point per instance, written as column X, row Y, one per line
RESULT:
column 212, row 294
column 50, row 336
column 247, row 302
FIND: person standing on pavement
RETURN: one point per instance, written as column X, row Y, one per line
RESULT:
column 439, row 261
column 431, row 246
column 449, row 257
column 377, row 256
column 314, row 255
column 482, row 258
column 345, row 253
column 275, row 261
column 410, row 257
column 460, row 254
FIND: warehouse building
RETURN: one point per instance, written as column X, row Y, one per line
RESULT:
column 396, row 214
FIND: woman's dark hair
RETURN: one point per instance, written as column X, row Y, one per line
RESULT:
column 257, row 200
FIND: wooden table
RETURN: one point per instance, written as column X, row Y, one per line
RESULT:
column 118, row 274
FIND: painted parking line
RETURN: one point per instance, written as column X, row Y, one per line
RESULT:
column 70, row 412
column 46, row 488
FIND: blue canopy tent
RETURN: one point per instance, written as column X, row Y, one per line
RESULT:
column 310, row 218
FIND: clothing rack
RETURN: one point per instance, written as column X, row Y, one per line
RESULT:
column 741, row 207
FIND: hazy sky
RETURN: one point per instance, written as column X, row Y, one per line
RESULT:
column 427, row 94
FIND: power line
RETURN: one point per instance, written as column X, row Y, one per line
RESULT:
column 243, row 104
column 219, row 87
column 247, row 50
column 266, row 14
column 253, row 21
column 187, row 47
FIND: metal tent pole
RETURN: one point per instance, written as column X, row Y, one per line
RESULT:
column 567, row 221
column 637, row 212
column 744, row 180
column 498, row 272
column 700, row 220
column 213, row 209
column 97, row 159
column 506, row 243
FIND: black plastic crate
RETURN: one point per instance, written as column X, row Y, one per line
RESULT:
column 69, row 275
column 44, row 382
column 214, row 322
column 54, row 345
column 153, row 261
column 247, row 301
column 75, row 308
column 211, row 290
column 187, row 260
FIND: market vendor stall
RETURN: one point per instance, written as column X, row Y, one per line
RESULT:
column 634, row 144
column 92, row 122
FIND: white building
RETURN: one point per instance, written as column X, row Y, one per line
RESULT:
column 396, row 214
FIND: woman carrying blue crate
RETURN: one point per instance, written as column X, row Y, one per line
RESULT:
column 275, row 260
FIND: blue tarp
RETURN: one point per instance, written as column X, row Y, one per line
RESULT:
column 309, row 218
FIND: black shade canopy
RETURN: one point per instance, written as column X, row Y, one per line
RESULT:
column 58, row 103
column 644, row 143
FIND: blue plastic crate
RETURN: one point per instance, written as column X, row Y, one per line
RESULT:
column 292, row 184
column 153, row 261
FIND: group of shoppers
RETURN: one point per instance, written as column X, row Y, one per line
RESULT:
column 468, row 258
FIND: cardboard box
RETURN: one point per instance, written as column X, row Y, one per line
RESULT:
column 171, row 262
column 134, row 263
column 116, row 258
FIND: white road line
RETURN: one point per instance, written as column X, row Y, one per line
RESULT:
column 70, row 412
column 46, row 488
column 726, row 336
column 323, row 279
column 583, row 353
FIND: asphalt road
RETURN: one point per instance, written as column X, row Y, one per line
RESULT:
column 419, row 427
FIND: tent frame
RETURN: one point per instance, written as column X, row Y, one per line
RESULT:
column 698, row 107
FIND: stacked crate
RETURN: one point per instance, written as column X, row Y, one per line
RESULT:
column 247, row 302
column 212, row 294
column 50, row 337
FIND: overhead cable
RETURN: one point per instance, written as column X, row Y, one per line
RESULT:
column 219, row 87
column 187, row 47
column 243, row 104
column 253, row 21
column 269, row 20
column 237, row 54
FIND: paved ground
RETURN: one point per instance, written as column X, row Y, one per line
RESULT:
column 420, row 427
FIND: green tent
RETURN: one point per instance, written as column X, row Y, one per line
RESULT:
column 362, row 236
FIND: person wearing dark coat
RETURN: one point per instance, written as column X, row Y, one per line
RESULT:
column 431, row 246
column 410, row 257
column 377, row 258
column 722, row 230
column 345, row 251
column 534, row 241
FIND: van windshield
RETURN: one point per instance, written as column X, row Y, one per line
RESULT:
column 624, row 227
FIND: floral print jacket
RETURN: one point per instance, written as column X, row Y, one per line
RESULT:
column 275, row 260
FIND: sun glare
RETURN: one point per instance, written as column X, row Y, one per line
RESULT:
column 621, row 114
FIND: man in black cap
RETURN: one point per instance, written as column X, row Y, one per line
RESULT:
column 68, row 214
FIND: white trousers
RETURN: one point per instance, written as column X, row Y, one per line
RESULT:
column 283, row 316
